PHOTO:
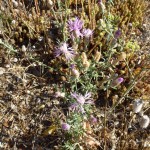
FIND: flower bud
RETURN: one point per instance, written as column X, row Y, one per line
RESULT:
column 144, row 121
column 117, row 81
column 75, row 73
column 65, row 126
column 137, row 106
column 93, row 119
column 117, row 34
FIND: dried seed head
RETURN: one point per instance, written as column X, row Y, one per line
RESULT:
column 97, row 56
column 84, row 57
column 137, row 106
column 144, row 121
column 86, row 64
column 122, row 56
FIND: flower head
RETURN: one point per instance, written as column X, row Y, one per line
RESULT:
column 75, row 26
column 65, row 50
column 86, row 99
column 87, row 32
column 65, row 126
column 81, row 100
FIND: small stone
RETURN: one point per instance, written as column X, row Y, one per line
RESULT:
column 137, row 106
column 15, row 60
column 24, row 48
column 13, row 22
column 144, row 25
column 7, row 66
column 144, row 121
column 2, row 70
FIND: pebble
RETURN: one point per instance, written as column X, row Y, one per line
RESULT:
column 2, row 70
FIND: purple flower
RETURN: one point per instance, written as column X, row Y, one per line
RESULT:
column 65, row 50
column 87, row 32
column 73, row 106
column 77, row 107
column 117, row 34
column 77, row 24
column 75, row 27
column 82, row 99
column 65, row 126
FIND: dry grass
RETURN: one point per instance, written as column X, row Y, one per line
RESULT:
column 31, row 112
